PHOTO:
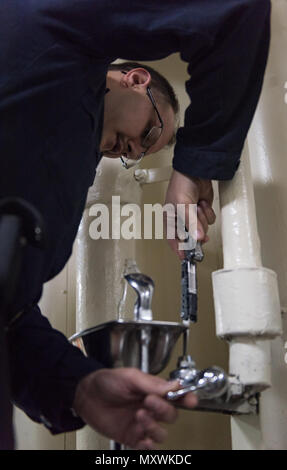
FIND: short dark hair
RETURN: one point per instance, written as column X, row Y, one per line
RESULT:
column 158, row 82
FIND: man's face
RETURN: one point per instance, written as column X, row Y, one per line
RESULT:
column 129, row 115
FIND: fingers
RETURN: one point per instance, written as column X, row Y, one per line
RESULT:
column 149, row 384
column 144, row 444
column 151, row 427
column 197, row 219
column 202, row 223
column 149, row 432
column 208, row 211
column 161, row 409
column 205, row 217
column 174, row 246
column 146, row 432
column 188, row 401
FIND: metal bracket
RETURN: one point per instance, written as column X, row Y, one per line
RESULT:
column 239, row 400
column 215, row 390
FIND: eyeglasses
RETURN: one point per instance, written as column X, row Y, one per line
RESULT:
column 149, row 139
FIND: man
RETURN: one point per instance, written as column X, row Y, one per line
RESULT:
column 142, row 104
column 57, row 117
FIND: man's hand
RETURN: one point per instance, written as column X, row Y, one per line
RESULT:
column 184, row 189
column 127, row 405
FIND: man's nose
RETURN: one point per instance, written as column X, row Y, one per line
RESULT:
column 134, row 148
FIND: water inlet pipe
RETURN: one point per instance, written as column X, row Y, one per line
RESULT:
column 101, row 263
column 246, row 298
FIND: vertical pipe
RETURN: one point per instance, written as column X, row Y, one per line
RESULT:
column 241, row 244
column 267, row 141
column 246, row 297
column 145, row 341
column 101, row 262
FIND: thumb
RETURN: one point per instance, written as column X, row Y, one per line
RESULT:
column 147, row 383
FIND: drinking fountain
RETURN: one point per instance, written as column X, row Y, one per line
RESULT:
column 148, row 345
column 142, row 342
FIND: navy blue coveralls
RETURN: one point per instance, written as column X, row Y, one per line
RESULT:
column 54, row 56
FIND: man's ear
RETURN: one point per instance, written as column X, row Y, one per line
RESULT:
column 138, row 77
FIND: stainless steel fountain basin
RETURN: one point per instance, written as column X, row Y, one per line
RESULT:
column 125, row 343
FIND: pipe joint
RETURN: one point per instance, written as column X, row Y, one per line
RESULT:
column 246, row 303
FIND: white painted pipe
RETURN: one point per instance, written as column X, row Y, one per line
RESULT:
column 101, row 263
column 241, row 243
column 267, row 141
column 246, row 295
column 153, row 175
